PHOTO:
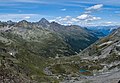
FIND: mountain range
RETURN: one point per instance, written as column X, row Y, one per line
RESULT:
column 65, row 39
column 35, row 52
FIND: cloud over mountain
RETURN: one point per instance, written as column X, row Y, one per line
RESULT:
column 87, row 17
column 95, row 7
column 82, row 19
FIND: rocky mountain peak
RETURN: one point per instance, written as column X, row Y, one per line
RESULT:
column 23, row 23
column 55, row 23
column 44, row 21
column 9, row 22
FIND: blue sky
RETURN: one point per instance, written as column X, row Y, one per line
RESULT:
column 80, row 12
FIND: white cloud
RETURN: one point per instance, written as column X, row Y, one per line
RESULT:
column 95, row 7
column 27, row 17
column 63, row 20
column 63, row 9
column 87, row 17
column 108, row 22
column 83, row 16
column 83, row 19
column 66, row 18
column 75, row 20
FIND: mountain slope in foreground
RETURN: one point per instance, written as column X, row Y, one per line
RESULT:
column 99, row 63
column 106, row 52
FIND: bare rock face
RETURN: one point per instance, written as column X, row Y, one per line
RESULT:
column 107, row 51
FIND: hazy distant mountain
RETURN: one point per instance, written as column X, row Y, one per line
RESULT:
column 104, row 29
column 97, row 33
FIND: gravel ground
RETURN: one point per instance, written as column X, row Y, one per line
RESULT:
column 113, row 77
column 106, row 78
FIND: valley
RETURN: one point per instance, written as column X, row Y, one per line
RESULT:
column 50, row 52
column 59, row 41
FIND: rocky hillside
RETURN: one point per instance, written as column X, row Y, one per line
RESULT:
column 76, row 37
column 27, row 50
column 37, row 40
column 20, row 64
column 105, row 51
column 99, row 63
column 46, row 38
